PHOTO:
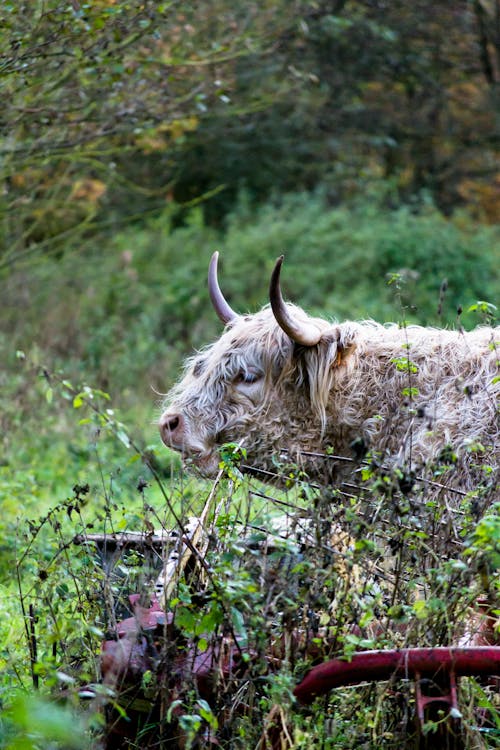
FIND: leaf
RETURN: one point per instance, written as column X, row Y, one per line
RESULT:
column 410, row 392
column 202, row 645
column 210, row 620
column 403, row 364
column 238, row 621
column 481, row 306
column 175, row 704
column 207, row 714
column 420, row 609
column 124, row 438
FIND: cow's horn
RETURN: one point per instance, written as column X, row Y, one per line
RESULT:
column 299, row 331
column 222, row 309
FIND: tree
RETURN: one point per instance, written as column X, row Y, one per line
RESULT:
column 119, row 103
column 99, row 98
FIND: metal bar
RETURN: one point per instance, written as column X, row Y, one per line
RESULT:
column 403, row 663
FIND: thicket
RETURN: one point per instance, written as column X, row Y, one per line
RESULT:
column 144, row 292
column 282, row 578
column 118, row 320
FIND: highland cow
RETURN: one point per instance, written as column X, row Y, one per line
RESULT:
column 288, row 387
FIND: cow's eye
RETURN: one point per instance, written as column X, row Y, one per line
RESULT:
column 247, row 376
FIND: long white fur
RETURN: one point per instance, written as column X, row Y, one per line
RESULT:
column 407, row 392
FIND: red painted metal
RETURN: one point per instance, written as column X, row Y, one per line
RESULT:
column 140, row 643
column 445, row 700
column 413, row 663
column 144, row 618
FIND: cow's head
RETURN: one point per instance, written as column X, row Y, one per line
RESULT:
column 263, row 384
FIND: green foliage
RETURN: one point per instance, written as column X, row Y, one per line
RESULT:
column 113, row 105
column 351, row 252
column 33, row 722
column 146, row 293
column 485, row 541
column 486, row 310
column 136, row 138
column 267, row 580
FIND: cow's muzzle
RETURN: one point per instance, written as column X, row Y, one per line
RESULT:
column 172, row 430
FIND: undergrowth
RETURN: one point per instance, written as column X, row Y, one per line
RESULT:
column 129, row 310
column 253, row 586
column 281, row 579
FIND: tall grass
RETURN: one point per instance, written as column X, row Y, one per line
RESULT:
column 118, row 317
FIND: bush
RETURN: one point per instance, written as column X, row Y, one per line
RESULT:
column 339, row 260
column 127, row 311
column 121, row 316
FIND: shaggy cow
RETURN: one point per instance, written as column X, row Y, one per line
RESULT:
column 286, row 386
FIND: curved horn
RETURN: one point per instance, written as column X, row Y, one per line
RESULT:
column 222, row 309
column 299, row 331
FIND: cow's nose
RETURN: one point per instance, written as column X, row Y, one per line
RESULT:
column 171, row 428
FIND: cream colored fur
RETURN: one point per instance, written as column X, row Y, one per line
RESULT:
column 407, row 393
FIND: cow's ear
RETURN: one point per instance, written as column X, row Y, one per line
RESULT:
column 321, row 364
column 333, row 349
column 340, row 346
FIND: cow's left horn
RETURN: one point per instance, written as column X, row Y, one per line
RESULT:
column 299, row 331
column 223, row 310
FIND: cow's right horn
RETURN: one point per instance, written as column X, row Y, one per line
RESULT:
column 223, row 310
column 299, row 331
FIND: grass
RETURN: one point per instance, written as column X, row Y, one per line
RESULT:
column 103, row 331
column 257, row 586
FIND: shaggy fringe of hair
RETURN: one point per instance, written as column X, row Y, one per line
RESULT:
column 408, row 392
